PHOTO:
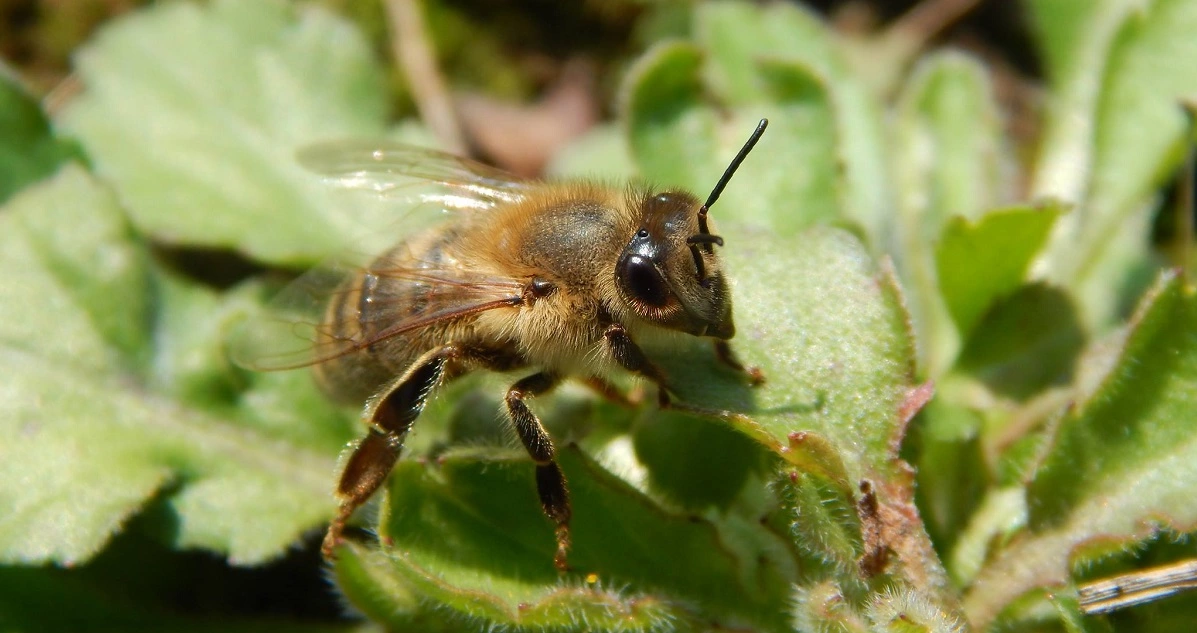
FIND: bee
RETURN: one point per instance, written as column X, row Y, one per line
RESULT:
column 558, row 277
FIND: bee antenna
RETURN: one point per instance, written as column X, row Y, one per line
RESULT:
column 727, row 174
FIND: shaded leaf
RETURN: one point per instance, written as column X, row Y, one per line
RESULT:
column 28, row 149
column 469, row 533
column 1027, row 342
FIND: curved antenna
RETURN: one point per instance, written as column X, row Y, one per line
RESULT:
column 727, row 174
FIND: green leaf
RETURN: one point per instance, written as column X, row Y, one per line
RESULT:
column 980, row 262
column 1076, row 38
column 743, row 41
column 469, row 534
column 194, row 113
column 946, row 166
column 1115, row 132
column 677, row 450
column 89, row 442
column 28, row 149
column 1122, row 462
column 829, row 331
column 949, row 143
column 671, row 136
column 1028, row 342
column 823, row 145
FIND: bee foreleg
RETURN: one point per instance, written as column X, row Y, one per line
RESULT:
column 726, row 356
column 389, row 420
column 550, row 482
column 629, row 356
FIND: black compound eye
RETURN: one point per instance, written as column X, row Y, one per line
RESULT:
column 641, row 281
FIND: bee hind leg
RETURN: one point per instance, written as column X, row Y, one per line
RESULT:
column 550, row 481
column 389, row 419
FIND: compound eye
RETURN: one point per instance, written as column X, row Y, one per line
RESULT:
column 640, row 279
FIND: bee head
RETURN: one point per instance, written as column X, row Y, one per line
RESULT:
column 669, row 273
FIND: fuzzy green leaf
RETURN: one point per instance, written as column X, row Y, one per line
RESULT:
column 1123, row 461
column 89, row 442
column 469, row 534
column 194, row 113
column 830, row 333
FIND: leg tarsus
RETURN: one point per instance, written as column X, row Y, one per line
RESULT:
column 629, row 356
column 550, row 481
column 375, row 455
column 726, row 356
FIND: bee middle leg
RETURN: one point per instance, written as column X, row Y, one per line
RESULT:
column 550, row 481
column 390, row 419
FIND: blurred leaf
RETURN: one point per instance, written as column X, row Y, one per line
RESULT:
column 822, row 151
column 946, row 165
column 951, row 470
column 1122, row 462
column 677, row 141
column 837, row 140
column 980, row 262
column 1116, row 128
column 948, row 144
column 1075, row 38
column 1027, row 342
column 470, row 535
column 88, row 443
column 28, row 149
column 671, row 136
column 194, row 113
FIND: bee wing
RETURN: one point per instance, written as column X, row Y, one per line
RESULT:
column 301, row 325
column 394, row 169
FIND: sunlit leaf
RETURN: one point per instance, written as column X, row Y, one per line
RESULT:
column 89, row 445
column 194, row 113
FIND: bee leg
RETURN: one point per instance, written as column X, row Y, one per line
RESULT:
column 390, row 419
column 726, row 356
column 550, row 482
column 632, row 358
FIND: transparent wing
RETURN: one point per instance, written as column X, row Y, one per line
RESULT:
column 322, row 315
column 393, row 169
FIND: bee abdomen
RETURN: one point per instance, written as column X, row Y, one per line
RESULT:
column 366, row 305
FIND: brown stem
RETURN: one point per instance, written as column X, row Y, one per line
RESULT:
column 413, row 54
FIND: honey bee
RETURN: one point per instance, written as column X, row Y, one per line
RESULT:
column 558, row 277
